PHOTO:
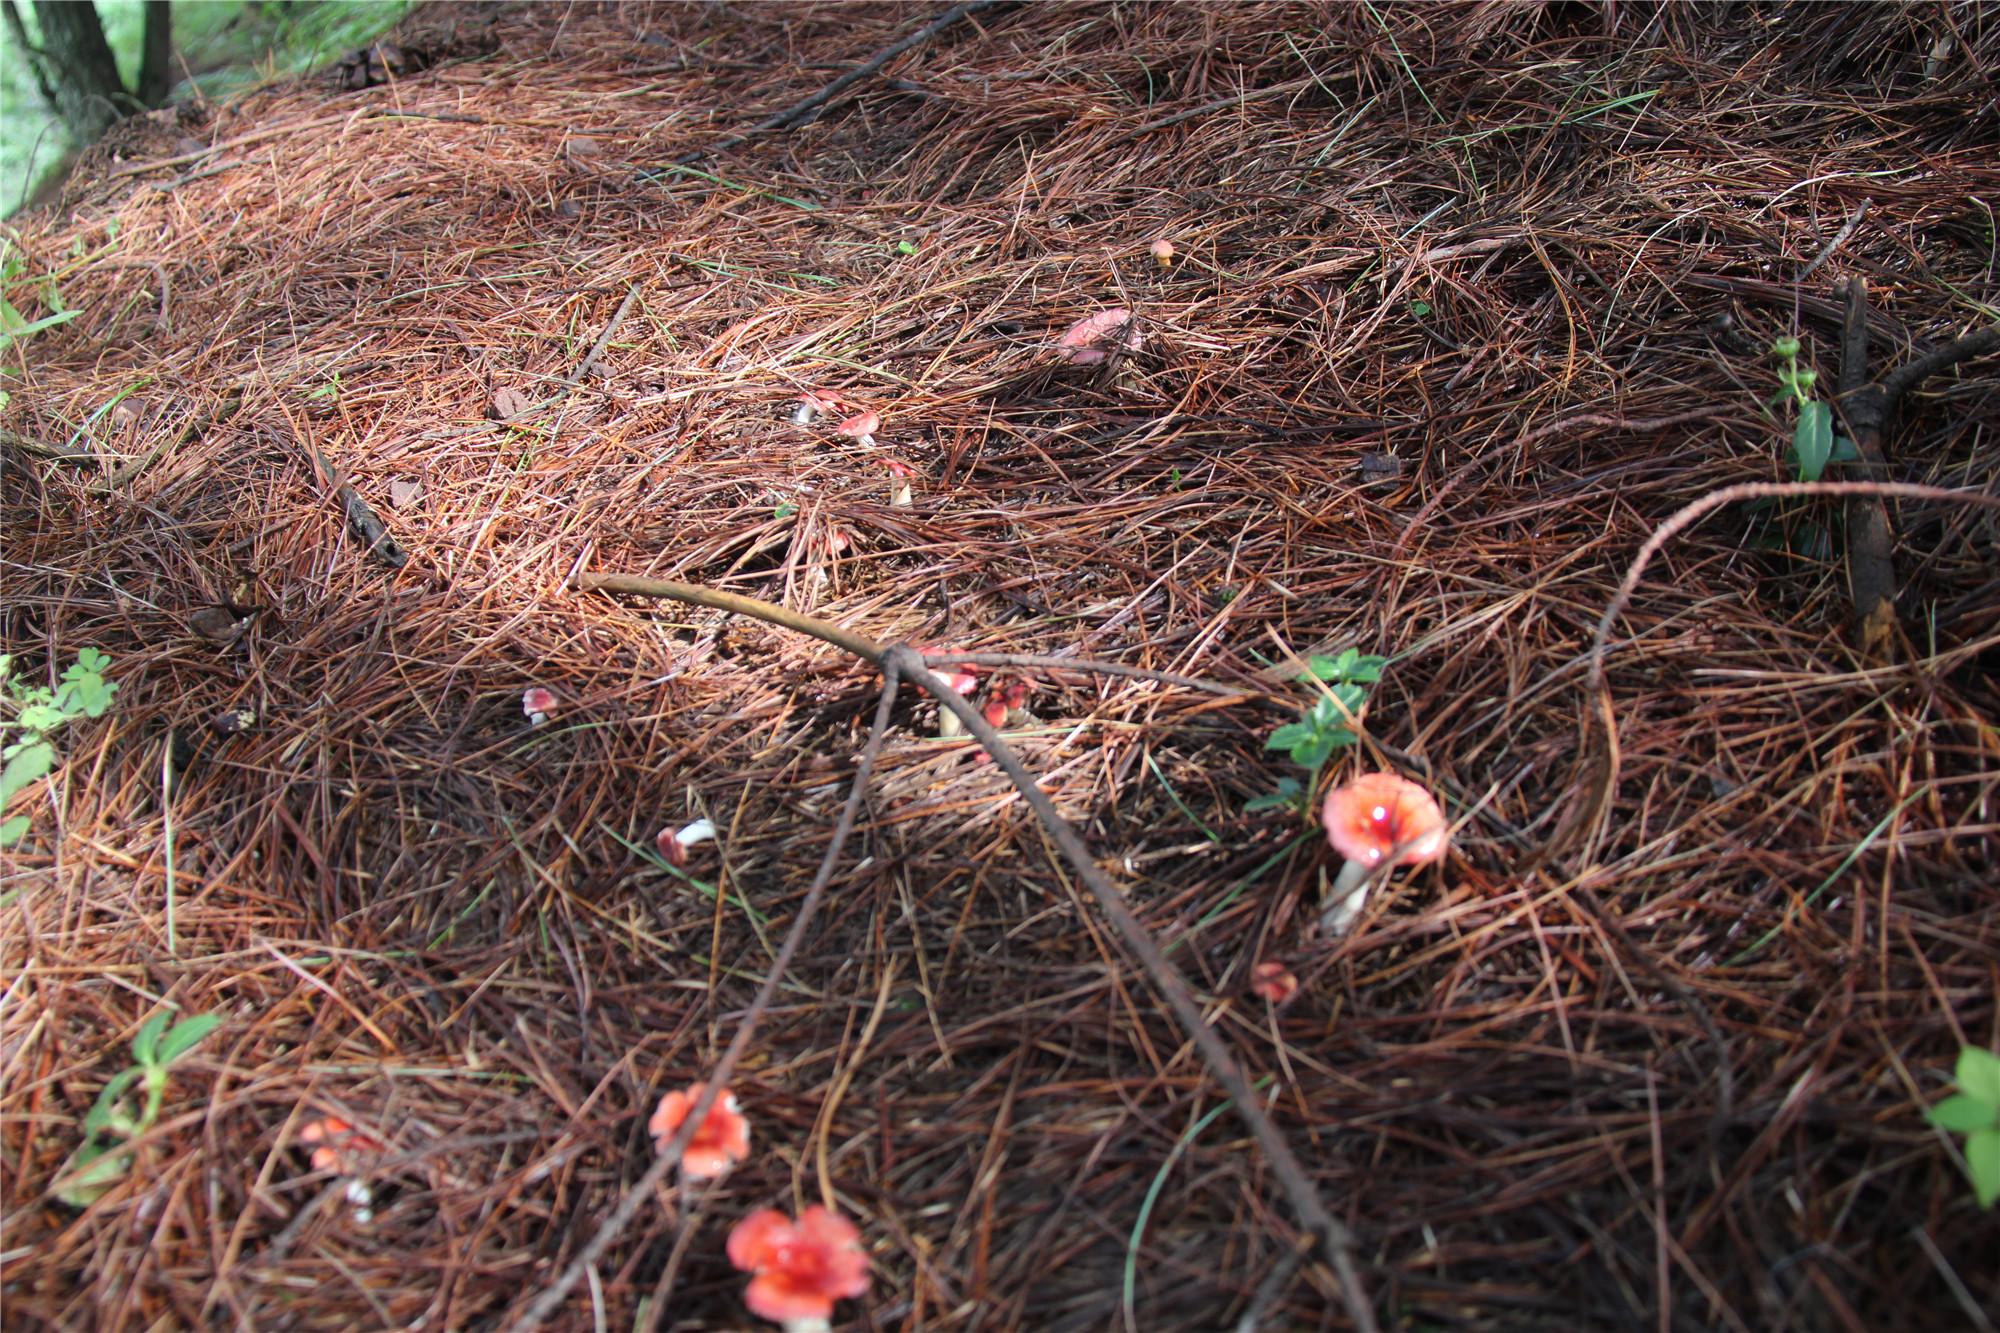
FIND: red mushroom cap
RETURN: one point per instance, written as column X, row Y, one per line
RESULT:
column 720, row 1141
column 537, row 700
column 335, row 1144
column 1273, row 981
column 1087, row 340
column 995, row 712
column 1379, row 813
column 862, row 423
column 801, row 1267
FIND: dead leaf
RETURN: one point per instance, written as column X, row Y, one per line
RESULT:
column 508, row 404
column 403, row 494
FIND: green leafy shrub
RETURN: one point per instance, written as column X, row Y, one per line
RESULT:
column 38, row 711
column 1974, row 1111
column 114, row 1120
column 1323, row 729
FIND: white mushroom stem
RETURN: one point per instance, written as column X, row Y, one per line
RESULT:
column 803, row 414
column 866, row 441
column 808, row 1325
column 1344, row 900
column 699, row 831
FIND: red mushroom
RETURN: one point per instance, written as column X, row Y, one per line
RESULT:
column 721, row 1140
column 862, row 427
column 1376, row 820
column 995, row 711
column 538, row 703
column 801, row 1268
column 1093, row 338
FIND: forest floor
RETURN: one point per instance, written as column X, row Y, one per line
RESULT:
column 1466, row 301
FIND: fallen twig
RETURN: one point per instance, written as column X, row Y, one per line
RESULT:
column 1870, row 407
column 1587, row 816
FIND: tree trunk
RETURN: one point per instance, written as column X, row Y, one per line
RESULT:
column 75, row 68
column 155, row 78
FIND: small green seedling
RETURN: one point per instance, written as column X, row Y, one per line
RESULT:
column 38, row 710
column 114, row 1120
column 14, row 326
column 1974, row 1111
column 1814, row 445
column 328, row 390
column 1324, row 728
column 906, row 247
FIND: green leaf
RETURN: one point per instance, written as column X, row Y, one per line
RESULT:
column 1844, row 451
column 146, row 1041
column 186, row 1036
column 104, row 1112
column 1978, row 1074
column 905, row 248
column 1325, row 713
column 1286, row 796
column 41, row 716
column 1351, row 698
column 1812, row 440
column 89, row 1175
column 1420, row 308
column 1982, row 1160
column 11, row 831
column 1313, row 752
column 14, row 328
column 1289, row 735
column 29, row 764
column 784, row 511
column 1963, row 1114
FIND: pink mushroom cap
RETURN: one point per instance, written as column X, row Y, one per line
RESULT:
column 1088, row 340
column 1379, row 814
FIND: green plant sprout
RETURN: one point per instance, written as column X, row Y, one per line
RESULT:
column 113, row 1121
column 1814, row 445
column 1974, row 1111
column 1323, row 729
column 38, row 710
column 14, row 326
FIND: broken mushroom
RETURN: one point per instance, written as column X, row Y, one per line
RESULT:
column 813, row 402
column 800, row 1268
column 1377, row 820
column 1094, row 338
column 721, row 1140
column 674, row 843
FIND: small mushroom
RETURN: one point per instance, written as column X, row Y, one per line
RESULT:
column 721, row 1140
column 861, row 427
column 995, row 711
column 962, row 680
column 900, row 474
column 674, row 843
column 1163, row 250
column 538, row 703
column 1376, row 820
column 1273, row 981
